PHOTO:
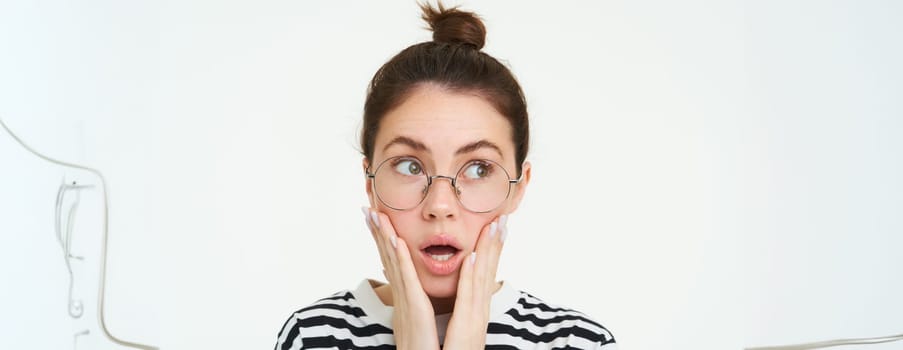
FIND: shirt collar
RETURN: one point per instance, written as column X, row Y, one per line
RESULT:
column 502, row 301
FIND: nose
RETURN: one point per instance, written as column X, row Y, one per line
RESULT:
column 441, row 200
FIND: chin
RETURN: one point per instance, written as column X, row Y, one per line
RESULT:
column 440, row 286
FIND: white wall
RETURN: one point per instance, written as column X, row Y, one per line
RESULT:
column 822, row 203
column 707, row 174
column 77, row 82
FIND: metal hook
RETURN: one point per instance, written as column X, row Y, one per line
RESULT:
column 75, row 338
column 75, row 306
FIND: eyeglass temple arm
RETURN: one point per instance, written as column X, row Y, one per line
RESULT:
column 517, row 180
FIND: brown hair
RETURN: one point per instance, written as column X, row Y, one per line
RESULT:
column 454, row 62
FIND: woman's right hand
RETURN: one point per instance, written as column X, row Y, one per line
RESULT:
column 413, row 321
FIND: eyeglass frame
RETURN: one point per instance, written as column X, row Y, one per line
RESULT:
column 452, row 181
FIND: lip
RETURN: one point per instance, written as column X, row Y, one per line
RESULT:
column 442, row 268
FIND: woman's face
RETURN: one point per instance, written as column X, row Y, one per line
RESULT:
column 444, row 130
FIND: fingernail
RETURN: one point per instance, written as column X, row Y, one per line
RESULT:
column 392, row 239
column 375, row 218
column 366, row 212
column 503, row 225
column 494, row 226
column 473, row 257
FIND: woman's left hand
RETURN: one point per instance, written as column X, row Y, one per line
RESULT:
column 470, row 318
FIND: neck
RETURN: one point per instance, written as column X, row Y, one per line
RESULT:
column 443, row 305
column 440, row 305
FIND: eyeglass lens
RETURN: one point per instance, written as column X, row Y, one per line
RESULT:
column 402, row 183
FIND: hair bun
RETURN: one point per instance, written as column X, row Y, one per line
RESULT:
column 454, row 26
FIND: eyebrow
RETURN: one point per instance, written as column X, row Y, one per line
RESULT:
column 407, row 141
column 473, row 146
column 468, row 148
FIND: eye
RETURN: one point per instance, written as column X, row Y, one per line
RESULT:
column 408, row 167
column 478, row 170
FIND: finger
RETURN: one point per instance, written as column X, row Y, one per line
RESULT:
column 387, row 234
column 495, row 250
column 487, row 244
column 369, row 222
column 386, row 252
column 464, row 297
column 373, row 233
column 389, row 240
column 406, row 267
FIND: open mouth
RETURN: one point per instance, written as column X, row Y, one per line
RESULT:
column 442, row 255
column 441, row 252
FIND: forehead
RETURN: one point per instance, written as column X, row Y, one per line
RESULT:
column 444, row 121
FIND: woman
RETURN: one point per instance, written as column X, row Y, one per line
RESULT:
column 444, row 140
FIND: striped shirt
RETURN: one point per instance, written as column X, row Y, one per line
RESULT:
column 357, row 319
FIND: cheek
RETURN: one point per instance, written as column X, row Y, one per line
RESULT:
column 404, row 223
column 474, row 226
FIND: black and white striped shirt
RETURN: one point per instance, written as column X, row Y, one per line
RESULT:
column 359, row 320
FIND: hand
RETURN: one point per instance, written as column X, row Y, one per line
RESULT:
column 470, row 318
column 413, row 320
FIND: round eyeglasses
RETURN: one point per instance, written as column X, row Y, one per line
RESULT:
column 402, row 183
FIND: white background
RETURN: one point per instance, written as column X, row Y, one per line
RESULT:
column 707, row 174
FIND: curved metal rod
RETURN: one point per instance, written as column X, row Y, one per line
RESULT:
column 103, row 247
column 75, row 307
column 836, row 342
